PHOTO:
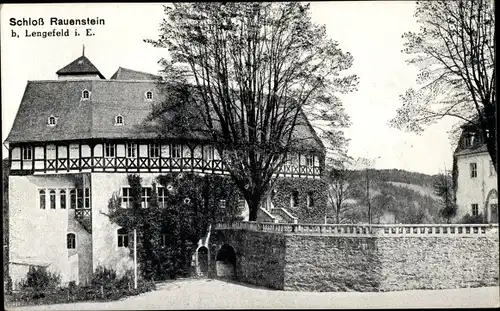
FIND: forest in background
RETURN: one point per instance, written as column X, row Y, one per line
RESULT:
column 395, row 196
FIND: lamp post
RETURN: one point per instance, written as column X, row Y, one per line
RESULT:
column 369, row 163
column 135, row 258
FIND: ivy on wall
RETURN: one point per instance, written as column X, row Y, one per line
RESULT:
column 284, row 189
column 167, row 235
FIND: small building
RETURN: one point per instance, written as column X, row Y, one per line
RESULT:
column 73, row 143
column 475, row 178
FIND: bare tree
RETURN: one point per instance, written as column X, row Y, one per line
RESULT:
column 254, row 70
column 341, row 188
column 455, row 53
column 443, row 188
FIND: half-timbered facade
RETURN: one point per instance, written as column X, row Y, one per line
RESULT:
column 73, row 143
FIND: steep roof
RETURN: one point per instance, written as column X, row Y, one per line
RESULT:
column 129, row 74
column 94, row 117
column 81, row 65
column 477, row 146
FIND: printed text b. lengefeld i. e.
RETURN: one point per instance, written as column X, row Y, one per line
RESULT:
column 53, row 21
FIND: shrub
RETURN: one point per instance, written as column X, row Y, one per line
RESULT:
column 38, row 278
column 8, row 284
column 477, row 219
column 103, row 277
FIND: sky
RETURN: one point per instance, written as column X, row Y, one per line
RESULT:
column 371, row 31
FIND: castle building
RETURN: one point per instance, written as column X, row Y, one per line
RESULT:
column 72, row 145
column 475, row 178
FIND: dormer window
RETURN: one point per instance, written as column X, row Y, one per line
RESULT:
column 468, row 141
column 85, row 94
column 149, row 95
column 118, row 120
column 51, row 121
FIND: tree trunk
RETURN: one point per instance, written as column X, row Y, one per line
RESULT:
column 253, row 206
column 337, row 215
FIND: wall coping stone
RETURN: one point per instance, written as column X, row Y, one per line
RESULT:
column 401, row 230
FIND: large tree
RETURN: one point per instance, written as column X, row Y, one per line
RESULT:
column 455, row 53
column 250, row 72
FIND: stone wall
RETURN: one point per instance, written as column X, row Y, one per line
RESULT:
column 260, row 256
column 319, row 262
column 438, row 262
column 332, row 263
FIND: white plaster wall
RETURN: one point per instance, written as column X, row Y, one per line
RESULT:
column 106, row 252
column 473, row 190
column 37, row 235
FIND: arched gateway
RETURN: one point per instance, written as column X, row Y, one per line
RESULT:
column 491, row 206
column 226, row 261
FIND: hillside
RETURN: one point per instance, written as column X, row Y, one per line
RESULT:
column 396, row 196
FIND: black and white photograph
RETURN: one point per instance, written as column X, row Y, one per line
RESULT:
column 249, row 155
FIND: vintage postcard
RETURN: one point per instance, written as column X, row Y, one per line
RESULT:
column 215, row 155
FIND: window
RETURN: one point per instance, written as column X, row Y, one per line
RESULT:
column 71, row 241
column 310, row 199
column 72, row 198
column 126, row 197
column 62, row 198
column 52, row 195
column 85, row 94
column 146, row 195
column 468, row 140
column 122, row 237
column 494, row 213
column 492, row 169
column 208, row 153
column 87, row 198
column 294, row 199
column 51, row 152
column 222, row 204
column 118, row 120
column 109, row 150
column 74, row 151
column 41, row 195
column 292, row 159
column 475, row 210
column 149, row 95
column 162, row 196
column 131, row 150
column 310, row 160
column 473, row 170
column 154, row 150
column 176, row 151
column 79, row 198
column 241, row 204
column 51, row 121
column 27, row 153
column 163, row 239
column 82, row 198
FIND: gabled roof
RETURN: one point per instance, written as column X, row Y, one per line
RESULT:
column 478, row 145
column 94, row 118
column 129, row 74
column 81, row 65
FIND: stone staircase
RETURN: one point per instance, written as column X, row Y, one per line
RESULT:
column 276, row 215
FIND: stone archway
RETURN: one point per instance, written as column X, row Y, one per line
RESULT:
column 226, row 261
column 202, row 261
column 491, row 206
